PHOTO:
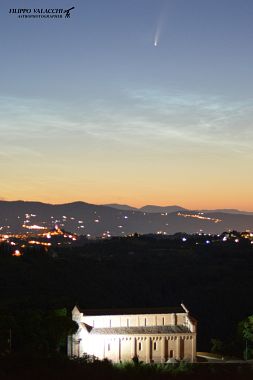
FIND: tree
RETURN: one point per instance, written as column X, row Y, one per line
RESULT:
column 58, row 325
column 246, row 330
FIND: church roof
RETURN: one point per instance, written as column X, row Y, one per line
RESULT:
column 132, row 311
column 140, row 330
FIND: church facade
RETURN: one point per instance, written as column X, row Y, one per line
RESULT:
column 153, row 335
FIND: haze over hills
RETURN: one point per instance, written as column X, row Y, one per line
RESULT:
column 230, row 211
column 95, row 220
column 148, row 208
column 174, row 208
column 120, row 207
column 168, row 209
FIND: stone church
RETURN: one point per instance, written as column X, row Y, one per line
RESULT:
column 156, row 335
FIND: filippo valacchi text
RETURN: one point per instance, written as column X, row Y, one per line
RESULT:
column 37, row 10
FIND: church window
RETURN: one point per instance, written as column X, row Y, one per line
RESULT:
column 109, row 347
column 163, row 321
column 140, row 346
column 155, row 346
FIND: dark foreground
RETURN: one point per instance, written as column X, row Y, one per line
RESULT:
column 27, row 367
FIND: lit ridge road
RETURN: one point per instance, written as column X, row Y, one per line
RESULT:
column 198, row 216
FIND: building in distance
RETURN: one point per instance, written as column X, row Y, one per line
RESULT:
column 154, row 335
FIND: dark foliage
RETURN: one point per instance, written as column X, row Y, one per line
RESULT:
column 57, row 367
column 214, row 281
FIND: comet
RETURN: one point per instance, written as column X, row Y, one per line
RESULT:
column 157, row 36
column 160, row 23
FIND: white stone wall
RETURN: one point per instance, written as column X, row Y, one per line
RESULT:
column 132, row 320
column 148, row 348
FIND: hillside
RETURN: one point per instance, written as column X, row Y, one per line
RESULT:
column 94, row 220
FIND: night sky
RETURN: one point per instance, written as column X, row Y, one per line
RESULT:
column 128, row 101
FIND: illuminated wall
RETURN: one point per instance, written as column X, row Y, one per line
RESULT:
column 152, row 337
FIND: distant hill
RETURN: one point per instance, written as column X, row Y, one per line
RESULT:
column 175, row 208
column 88, row 219
column 168, row 209
column 121, row 207
column 148, row 208
column 230, row 211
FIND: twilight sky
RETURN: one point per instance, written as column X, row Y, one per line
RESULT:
column 92, row 110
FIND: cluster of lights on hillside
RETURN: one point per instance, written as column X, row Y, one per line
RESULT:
column 32, row 222
column 225, row 237
column 93, row 225
column 18, row 243
column 34, row 227
column 199, row 215
column 35, row 239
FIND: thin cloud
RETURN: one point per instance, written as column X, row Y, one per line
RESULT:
column 199, row 117
column 140, row 117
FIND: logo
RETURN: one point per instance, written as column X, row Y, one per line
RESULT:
column 41, row 13
column 67, row 11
